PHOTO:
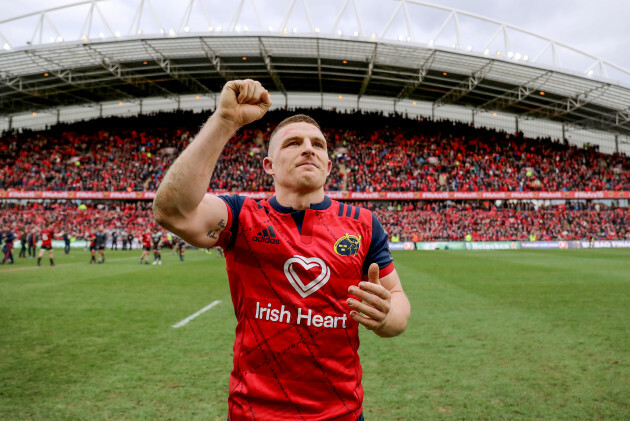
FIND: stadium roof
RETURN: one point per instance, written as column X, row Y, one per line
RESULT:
column 44, row 76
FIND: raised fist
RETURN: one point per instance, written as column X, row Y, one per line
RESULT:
column 243, row 101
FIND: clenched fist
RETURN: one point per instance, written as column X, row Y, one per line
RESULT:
column 243, row 101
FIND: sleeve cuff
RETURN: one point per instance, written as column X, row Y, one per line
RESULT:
column 226, row 234
column 382, row 271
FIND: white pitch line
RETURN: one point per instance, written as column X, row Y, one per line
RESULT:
column 192, row 316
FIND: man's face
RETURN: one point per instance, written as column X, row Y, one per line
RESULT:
column 298, row 157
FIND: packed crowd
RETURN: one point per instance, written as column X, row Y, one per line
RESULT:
column 377, row 153
column 485, row 221
column 404, row 221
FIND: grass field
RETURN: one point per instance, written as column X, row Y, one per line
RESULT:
column 493, row 335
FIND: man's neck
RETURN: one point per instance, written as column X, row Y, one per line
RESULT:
column 298, row 200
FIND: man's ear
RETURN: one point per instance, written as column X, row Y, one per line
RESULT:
column 268, row 165
column 329, row 167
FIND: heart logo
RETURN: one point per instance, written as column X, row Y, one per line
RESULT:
column 307, row 263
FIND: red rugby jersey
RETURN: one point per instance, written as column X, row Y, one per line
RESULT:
column 146, row 239
column 47, row 236
column 295, row 352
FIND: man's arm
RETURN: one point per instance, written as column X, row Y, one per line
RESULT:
column 383, row 306
column 181, row 204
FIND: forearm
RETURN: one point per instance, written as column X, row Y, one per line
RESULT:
column 186, row 182
column 396, row 321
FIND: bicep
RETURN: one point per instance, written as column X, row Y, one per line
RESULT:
column 204, row 225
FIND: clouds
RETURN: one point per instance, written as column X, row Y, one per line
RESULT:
column 599, row 28
column 595, row 27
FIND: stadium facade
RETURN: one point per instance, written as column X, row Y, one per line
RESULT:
column 405, row 56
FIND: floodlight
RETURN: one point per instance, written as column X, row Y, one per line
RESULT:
column 510, row 54
column 486, row 52
column 187, row 29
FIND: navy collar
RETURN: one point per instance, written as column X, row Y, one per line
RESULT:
column 323, row 205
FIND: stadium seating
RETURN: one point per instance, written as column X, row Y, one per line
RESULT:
column 370, row 153
column 386, row 154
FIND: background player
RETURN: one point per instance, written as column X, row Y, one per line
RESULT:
column 9, row 237
column 91, row 238
column 156, row 244
column 101, row 239
column 146, row 246
column 47, row 237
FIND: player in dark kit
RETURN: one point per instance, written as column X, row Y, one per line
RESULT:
column 23, row 242
column 322, row 269
column 9, row 238
column 130, row 240
column 115, row 240
column 156, row 245
column 31, row 239
column 47, row 237
column 101, row 239
column 179, row 247
column 66, row 240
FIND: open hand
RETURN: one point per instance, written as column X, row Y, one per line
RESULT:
column 375, row 302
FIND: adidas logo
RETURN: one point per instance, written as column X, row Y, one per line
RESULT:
column 267, row 236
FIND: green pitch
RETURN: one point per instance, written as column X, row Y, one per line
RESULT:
column 493, row 335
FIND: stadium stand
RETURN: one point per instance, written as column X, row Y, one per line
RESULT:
column 373, row 153
column 370, row 153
